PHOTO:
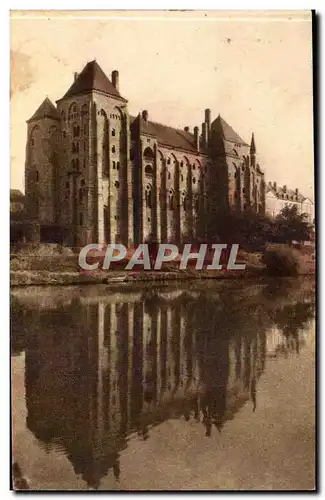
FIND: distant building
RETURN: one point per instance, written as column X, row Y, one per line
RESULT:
column 279, row 197
column 97, row 174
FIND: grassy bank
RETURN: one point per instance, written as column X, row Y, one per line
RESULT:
column 54, row 265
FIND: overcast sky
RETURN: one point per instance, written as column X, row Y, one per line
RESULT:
column 253, row 69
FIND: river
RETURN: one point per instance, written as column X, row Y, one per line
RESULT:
column 193, row 386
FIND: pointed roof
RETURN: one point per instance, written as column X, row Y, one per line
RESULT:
column 46, row 110
column 227, row 131
column 253, row 147
column 92, row 77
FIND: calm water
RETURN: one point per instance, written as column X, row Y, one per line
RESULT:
column 193, row 386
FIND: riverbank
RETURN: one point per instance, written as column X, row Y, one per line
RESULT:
column 56, row 266
column 43, row 277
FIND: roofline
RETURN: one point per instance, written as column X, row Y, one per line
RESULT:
column 235, row 142
column 89, row 92
column 30, row 120
column 197, row 153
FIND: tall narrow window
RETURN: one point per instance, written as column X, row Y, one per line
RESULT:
column 113, row 149
column 113, row 132
column 81, row 219
column 37, row 176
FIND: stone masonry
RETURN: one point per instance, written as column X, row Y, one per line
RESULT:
column 99, row 175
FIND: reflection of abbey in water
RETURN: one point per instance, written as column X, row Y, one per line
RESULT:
column 99, row 371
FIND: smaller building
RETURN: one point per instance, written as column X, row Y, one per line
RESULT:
column 279, row 197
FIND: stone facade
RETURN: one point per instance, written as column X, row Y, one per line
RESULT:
column 278, row 197
column 103, row 176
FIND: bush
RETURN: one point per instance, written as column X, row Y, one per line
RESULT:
column 282, row 262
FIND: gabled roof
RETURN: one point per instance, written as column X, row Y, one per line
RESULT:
column 168, row 136
column 227, row 131
column 283, row 193
column 46, row 110
column 92, row 77
column 16, row 195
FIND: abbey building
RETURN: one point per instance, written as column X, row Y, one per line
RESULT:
column 95, row 174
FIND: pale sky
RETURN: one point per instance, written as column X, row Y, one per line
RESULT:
column 255, row 69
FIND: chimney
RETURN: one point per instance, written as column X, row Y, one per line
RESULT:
column 115, row 79
column 205, row 133
column 75, row 76
column 186, row 129
column 296, row 191
column 274, row 185
column 196, row 138
column 207, row 114
column 145, row 115
column 285, row 188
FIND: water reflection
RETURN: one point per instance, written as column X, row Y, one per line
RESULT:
column 102, row 367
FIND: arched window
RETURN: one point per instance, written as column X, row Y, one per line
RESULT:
column 84, row 110
column 113, row 132
column 171, row 202
column 168, row 161
column 148, row 170
column 76, row 131
column 148, row 154
column 148, row 197
column 82, row 182
column 182, row 177
column 113, row 149
column 37, row 176
column 114, row 165
column 194, row 180
column 75, row 147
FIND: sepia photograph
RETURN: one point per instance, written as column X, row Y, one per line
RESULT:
column 162, row 251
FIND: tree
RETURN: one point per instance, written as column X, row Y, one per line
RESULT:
column 249, row 229
column 291, row 225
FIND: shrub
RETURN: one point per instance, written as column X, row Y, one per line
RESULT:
column 282, row 262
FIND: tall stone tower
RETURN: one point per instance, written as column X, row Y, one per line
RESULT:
column 95, row 169
column 42, row 164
